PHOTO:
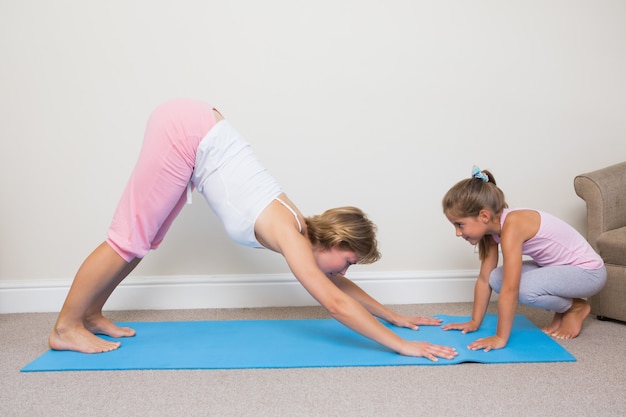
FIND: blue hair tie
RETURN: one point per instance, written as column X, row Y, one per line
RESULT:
column 477, row 173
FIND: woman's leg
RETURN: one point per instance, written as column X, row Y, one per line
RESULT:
column 93, row 283
column 151, row 200
column 95, row 321
column 154, row 194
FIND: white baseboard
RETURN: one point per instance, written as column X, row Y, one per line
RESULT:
column 240, row 291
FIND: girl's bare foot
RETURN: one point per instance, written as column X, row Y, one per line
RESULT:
column 554, row 326
column 573, row 319
column 79, row 339
column 101, row 325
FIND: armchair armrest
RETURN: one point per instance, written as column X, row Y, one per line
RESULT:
column 604, row 192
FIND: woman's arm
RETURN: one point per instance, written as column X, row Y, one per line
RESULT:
column 347, row 310
column 277, row 230
column 377, row 309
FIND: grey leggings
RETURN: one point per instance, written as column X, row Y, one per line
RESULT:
column 553, row 287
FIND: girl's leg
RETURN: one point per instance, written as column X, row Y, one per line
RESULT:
column 495, row 281
column 561, row 289
column 496, row 276
column 554, row 287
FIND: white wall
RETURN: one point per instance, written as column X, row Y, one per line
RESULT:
column 379, row 104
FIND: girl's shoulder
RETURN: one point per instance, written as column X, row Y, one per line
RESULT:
column 520, row 209
column 528, row 214
column 524, row 222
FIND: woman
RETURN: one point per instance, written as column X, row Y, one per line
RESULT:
column 188, row 143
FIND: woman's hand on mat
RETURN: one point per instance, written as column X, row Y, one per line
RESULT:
column 488, row 343
column 429, row 351
column 413, row 322
column 467, row 327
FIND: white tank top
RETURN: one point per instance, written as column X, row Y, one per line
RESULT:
column 236, row 186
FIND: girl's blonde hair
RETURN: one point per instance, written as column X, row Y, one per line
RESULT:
column 345, row 228
column 469, row 196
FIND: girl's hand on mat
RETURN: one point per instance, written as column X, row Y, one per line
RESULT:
column 413, row 322
column 488, row 343
column 429, row 351
column 467, row 327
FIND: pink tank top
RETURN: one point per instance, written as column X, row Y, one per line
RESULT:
column 557, row 243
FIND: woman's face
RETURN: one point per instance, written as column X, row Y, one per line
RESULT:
column 334, row 261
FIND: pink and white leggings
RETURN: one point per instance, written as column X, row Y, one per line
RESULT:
column 156, row 191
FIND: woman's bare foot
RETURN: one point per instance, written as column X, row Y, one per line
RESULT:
column 83, row 338
column 554, row 326
column 79, row 339
column 573, row 319
column 101, row 325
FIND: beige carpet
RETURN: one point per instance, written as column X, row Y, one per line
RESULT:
column 594, row 385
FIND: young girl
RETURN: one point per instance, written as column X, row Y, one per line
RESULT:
column 563, row 272
column 188, row 143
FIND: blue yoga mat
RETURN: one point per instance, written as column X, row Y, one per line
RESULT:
column 245, row 344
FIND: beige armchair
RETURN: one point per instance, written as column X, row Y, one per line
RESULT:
column 604, row 192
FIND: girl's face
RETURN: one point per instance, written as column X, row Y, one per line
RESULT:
column 334, row 261
column 471, row 229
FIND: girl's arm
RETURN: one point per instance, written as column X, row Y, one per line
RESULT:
column 507, row 300
column 379, row 310
column 518, row 227
column 482, row 292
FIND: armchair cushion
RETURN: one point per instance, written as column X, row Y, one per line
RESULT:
column 612, row 246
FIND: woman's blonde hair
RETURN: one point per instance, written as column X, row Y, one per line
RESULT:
column 345, row 228
column 469, row 196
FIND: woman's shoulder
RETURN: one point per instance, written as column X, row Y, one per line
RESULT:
column 279, row 223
